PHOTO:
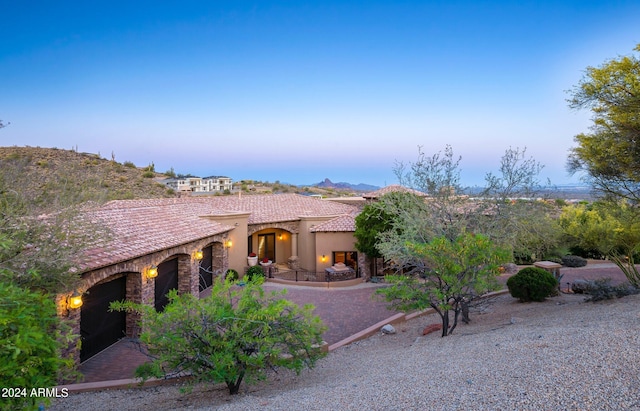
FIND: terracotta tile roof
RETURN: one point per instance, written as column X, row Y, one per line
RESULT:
column 134, row 231
column 345, row 223
column 140, row 227
column 392, row 189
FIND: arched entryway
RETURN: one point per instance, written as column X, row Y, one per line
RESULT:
column 99, row 327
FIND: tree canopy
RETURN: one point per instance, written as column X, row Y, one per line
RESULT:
column 612, row 229
column 454, row 273
column 610, row 152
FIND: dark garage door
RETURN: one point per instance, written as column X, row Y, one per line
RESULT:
column 100, row 328
column 206, row 277
column 166, row 280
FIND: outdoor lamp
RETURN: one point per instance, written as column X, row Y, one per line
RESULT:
column 75, row 300
column 324, row 258
column 228, row 243
column 198, row 255
column 152, row 272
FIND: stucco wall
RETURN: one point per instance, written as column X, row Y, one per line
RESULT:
column 327, row 243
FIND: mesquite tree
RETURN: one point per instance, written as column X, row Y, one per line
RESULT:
column 451, row 275
column 232, row 336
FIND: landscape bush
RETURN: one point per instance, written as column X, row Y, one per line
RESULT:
column 573, row 261
column 234, row 335
column 532, row 284
column 29, row 347
column 254, row 272
column 231, row 275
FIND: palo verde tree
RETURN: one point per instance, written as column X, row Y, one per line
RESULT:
column 232, row 336
column 451, row 275
column 610, row 152
column 613, row 229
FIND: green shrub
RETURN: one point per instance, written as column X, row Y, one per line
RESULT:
column 532, row 284
column 231, row 275
column 573, row 261
column 254, row 272
column 29, row 347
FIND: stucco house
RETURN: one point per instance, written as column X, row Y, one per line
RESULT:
column 152, row 246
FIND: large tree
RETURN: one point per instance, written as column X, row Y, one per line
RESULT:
column 610, row 152
column 450, row 276
column 610, row 228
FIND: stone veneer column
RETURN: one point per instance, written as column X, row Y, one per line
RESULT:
column 294, row 244
column 188, row 275
column 72, row 319
column 134, row 294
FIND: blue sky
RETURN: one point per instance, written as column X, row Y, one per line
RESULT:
column 299, row 91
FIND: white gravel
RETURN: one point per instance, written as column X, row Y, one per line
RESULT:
column 562, row 354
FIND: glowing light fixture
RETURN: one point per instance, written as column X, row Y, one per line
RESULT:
column 152, row 272
column 75, row 300
column 323, row 258
column 198, row 255
column 228, row 243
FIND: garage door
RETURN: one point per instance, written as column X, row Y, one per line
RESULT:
column 100, row 328
column 206, row 277
column 166, row 280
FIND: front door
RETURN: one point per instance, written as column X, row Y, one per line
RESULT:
column 267, row 246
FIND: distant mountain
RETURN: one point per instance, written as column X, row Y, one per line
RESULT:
column 346, row 186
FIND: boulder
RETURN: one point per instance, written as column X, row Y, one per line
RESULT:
column 581, row 286
column 388, row 329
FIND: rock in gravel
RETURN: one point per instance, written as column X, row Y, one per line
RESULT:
column 580, row 286
column 388, row 329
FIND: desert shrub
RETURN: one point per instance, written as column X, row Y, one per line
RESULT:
column 129, row 164
column 29, row 347
column 254, row 272
column 602, row 289
column 532, row 284
column 234, row 335
column 522, row 257
column 148, row 174
column 573, row 261
column 231, row 275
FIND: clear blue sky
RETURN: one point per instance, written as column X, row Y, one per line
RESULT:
column 299, row 91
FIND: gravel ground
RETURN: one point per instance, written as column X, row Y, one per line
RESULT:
column 562, row 354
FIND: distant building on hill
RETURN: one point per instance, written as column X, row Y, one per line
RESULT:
column 211, row 184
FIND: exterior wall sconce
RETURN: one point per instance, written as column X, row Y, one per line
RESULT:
column 323, row 258
column 197, row 255
column 280, row 237
column 152, row 272
column 75, row 300
column 228, row 243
